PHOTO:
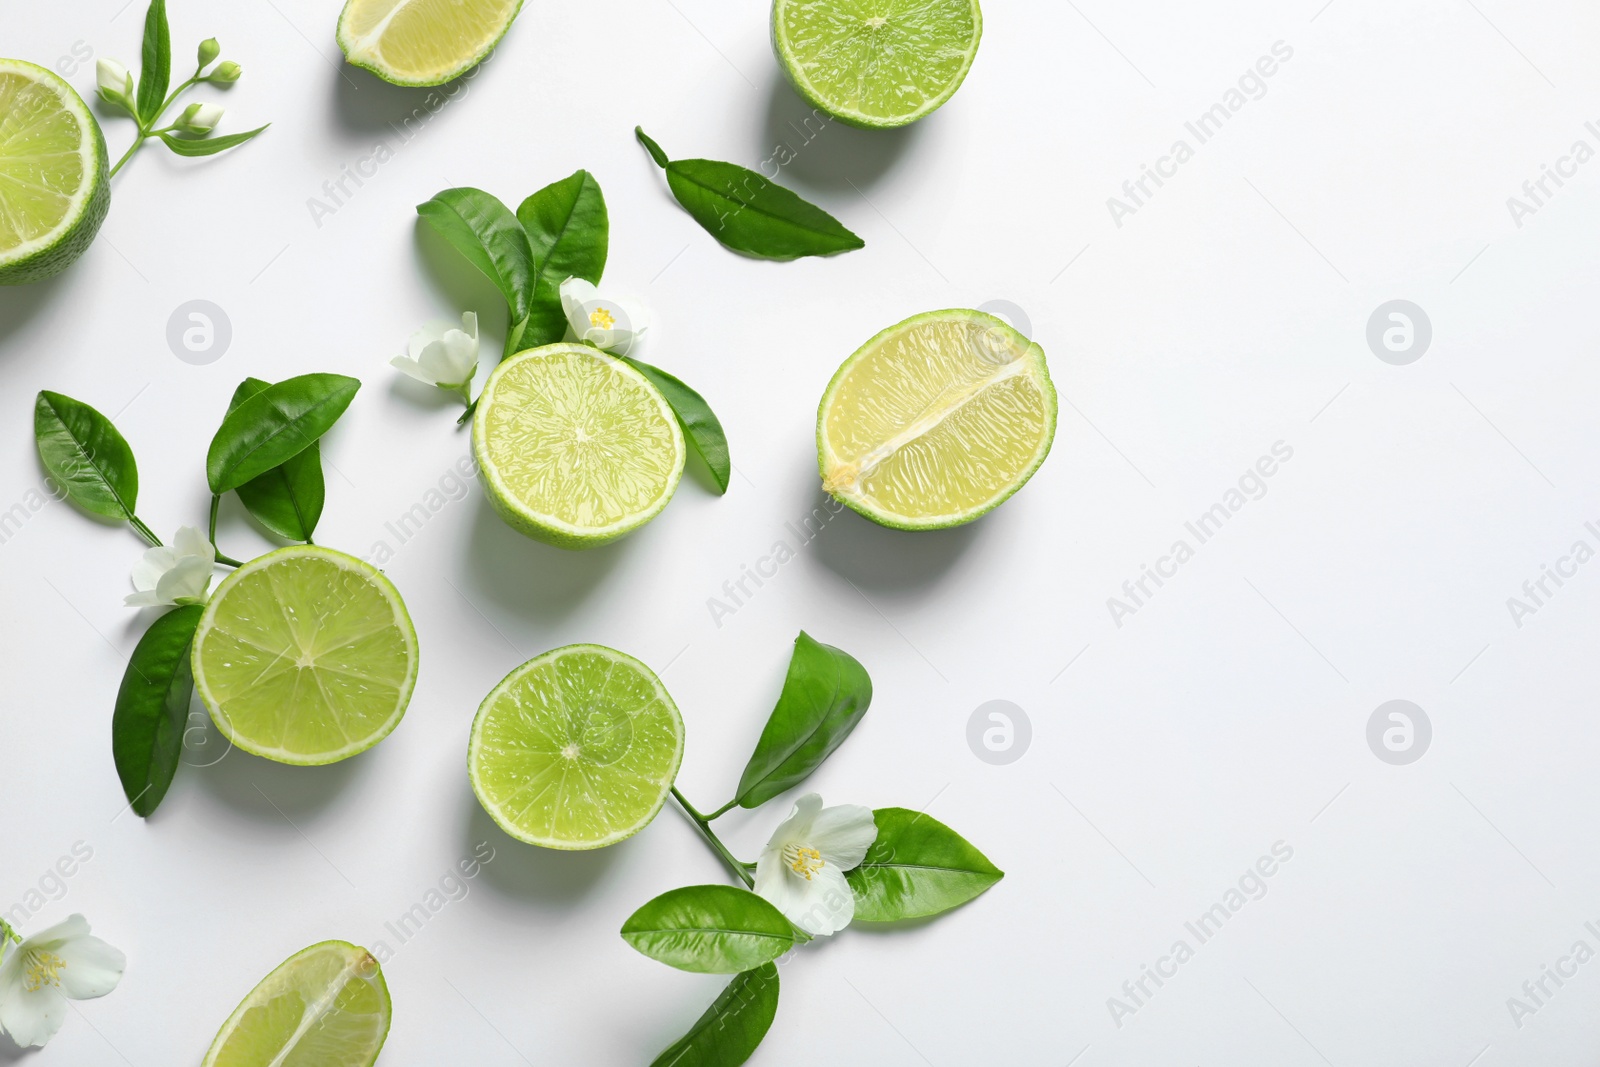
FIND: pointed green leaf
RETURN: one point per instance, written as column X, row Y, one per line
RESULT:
column 700, row 424
column 275, row 425
column 729, row 1031
column 288, row 498
column 484, row 230
column 152, row 709
column 569, row 232
column 710, row 929
column 155, row 62
column 86, row 456
column 824, row 695
column 208, row 146
column 918, row 866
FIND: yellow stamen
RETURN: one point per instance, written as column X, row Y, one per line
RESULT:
column 802, row 861
column 44, row 968
column 602, row 318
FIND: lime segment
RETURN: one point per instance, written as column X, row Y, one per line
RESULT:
column 327, row 1006
column 936, row 421
column 422, row 42
column 575, row 447
column 876, row 63
column 577, row 748
column 305, row 656
column 55, row 186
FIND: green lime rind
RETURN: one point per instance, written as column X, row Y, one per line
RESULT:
column 211, row 641
column 1034, row 363
column 789, row 39
column 356, row 56
column 609, row 746
column 49, row 255
column 543, row 524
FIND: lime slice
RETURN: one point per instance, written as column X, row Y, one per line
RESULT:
column 935, row 421
column 577, row 748
column 55, row 186
column 305, row 656
column 575, row 447
column 326, row 1006
column 422, row 42
column 876, row 63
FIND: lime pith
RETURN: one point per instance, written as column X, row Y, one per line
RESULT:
column 305, row 656
column 576, row 749
column 936, row 421
column 422, row 42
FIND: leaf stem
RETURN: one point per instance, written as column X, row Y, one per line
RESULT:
column 216, row 502
column 7, row 931
column 738, row 867
column 144, row 531
column 720, row 812
column 147, row 130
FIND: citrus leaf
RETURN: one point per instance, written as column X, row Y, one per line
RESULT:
column 275, row 425
column 86, row 456
column 916, row 867
column 710, row 929
column 569, row 233
column 153, row 708
column 484, row 230
column 288, row 498
column 155, row 62
column 208, row 146
column 700, row 424
column 729, row 1031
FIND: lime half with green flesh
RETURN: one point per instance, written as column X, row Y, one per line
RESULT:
column 422, row 42
column 576, row 749
column 876, row 63
column 327, row 1006
column 575, row 447
column 55, row 185
column 305, row 656
column 936, row 421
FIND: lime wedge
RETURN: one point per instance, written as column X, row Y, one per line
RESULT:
column 422, row 42
column 575, row 448
column 935, row 421
column 876, row 63
column 55, row 186
column 305, row 656
column 326, row 1006
column 577, row 748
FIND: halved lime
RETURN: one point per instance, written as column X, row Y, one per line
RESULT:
column 935, row 421
column 876, row 63
column 574, row 446
column 326, row 1006
column 422, row 42
column 305, row 656
column 55, row 186
column 577, row 748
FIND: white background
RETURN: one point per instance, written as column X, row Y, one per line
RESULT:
column 1227, row 714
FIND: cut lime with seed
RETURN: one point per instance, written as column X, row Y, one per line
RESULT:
column 574, row 446
column 876, row 63
column 327, row 1006
column 55, row 186
column 936, row 421
column 422, row 42
column 305, row 656
column 577, row 748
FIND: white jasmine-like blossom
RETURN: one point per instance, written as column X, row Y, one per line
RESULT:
column 801, row 871
column 200, row 118
column 41, row 973
column 600, row 319
column 115, row 82
column 179, row 573
column 442, row 355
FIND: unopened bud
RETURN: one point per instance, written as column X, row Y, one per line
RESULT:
column 209, row 50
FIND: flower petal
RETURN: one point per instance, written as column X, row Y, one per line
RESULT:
column 30, row 1018
column 430, row 332
column 787, row 892
column 843, row 834
column 797, row 827
column 411, row 367
column 576, row 294
column 829, row 904
column 151, row 566
column 469, row 324
column 93, row 968
column 188, row 579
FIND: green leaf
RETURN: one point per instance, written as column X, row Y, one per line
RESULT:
column 569, row 232
column 700, row 424
column 209, row 146
column 86, row 456
column 710, row 929
column 155, row 63
column 748, row 213
column 484, row 230
column 650, row 146
column 729, row 1031
column 918, row 866
column 824, row 695
column 288, row 498
column 153, row 709
column 275, row 425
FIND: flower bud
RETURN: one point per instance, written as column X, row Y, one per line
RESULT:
column 200, row 118
column 226, row 73
column 209, row 50
column 114, row 81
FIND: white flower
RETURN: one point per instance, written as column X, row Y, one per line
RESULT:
column 114, row 81
column 599, row 319
column 444, row 356
column 38, row 976
column 200, row 118
column 179, row 574
column 801, row 871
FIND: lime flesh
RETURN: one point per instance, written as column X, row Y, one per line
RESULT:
column 55, row 186
column 575, row 447
column 305, row 656
column 575, row 749
column 326, row 1006
column 422, row 42
column 876, row 63
column 936, row 421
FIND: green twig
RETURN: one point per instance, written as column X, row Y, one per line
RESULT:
column 147, row 130
column 216, row 502
column 738, row 867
